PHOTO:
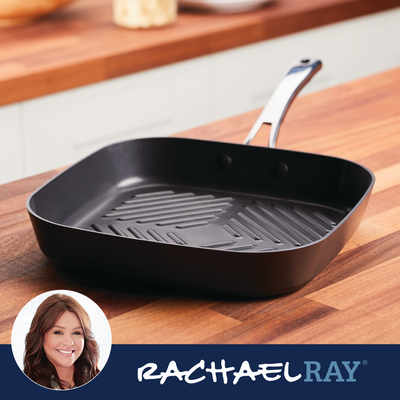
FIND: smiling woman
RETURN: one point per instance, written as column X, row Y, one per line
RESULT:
column 60, row 350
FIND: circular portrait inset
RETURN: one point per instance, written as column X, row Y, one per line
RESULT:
column 61, row 340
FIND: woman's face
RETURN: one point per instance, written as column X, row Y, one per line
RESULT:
column 64, row 342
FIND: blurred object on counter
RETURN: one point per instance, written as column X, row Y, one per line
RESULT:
column 144, row 13
column 23, row 12
column 224, row 6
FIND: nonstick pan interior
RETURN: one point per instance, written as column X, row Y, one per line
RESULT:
column 206, row 194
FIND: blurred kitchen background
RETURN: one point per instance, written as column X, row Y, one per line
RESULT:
column 54, row 130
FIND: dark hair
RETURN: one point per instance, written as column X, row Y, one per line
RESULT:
column 36, row 364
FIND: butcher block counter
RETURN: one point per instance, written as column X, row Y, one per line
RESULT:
column 80, row 44
column 356, row 299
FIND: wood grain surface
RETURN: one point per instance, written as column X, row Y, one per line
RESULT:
column 80, row 44
column 356, row 299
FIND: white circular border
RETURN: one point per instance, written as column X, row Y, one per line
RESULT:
column 100, row 326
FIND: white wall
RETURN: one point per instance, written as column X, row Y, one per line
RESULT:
column 56, row 130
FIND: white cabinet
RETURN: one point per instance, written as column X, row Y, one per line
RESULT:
column 244, row 78
column 11, row 160
column 157, row 102
column 56, row 130
column 46, row 133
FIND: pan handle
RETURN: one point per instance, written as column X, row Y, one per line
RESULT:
column 275, row 110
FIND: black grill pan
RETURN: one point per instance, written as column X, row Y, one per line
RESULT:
column 235, row 219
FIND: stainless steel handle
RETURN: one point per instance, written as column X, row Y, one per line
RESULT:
column 275, row 110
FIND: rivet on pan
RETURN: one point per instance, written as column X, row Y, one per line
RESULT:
column 280, row 169
column 224, row 161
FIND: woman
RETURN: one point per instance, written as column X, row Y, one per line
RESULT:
column 60, row 351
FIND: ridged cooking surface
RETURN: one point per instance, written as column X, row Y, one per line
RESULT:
column 209, row 220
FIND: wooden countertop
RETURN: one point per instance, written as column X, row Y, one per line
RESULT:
column 80, row 44
column 356, row 299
